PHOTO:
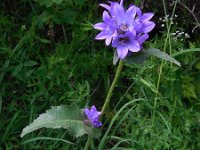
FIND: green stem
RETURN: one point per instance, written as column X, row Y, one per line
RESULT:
column 87, row 145
column 167, row 40
column 110, row 92
column 108, row 97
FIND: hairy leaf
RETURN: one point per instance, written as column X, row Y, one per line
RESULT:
column 141, row 56
column 62, row 117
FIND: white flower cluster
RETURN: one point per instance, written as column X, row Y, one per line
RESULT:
column 167, row 18
column 180, row 35
column 177, row 35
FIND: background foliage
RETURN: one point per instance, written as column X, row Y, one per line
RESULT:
column 48, row 57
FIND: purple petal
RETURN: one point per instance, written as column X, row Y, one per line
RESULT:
column 139, row 12
column 131, row 12
column 108, row 41
column 93, row 109
column 134, row 46
column 143, row 38
column 115, row 34
column 118, row 11
column 106, row 17
column 137, row 25
column 102, row 35
column 100, row 26
column 130, row 35
column 115, row 42
column 96, row 124
column 122, row 51
column 105, row 6
column 86, row 111
column 146, row 16
column 148, row 26
column 121, row 3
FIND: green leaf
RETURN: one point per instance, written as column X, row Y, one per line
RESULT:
column 66, row 117
column 141, row 56
column 149, row 84
column 188, row 88
column 45, row 41
column 189, row 91
column 17, row 70
column 186, row 51
column 30, row 63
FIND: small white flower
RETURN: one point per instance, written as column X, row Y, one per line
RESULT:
column 187, row 36
column 173, row 33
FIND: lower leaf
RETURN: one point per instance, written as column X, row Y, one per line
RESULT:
column 66, row 117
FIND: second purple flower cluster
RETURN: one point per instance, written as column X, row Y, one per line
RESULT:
column 125, row 29
column 93, row 116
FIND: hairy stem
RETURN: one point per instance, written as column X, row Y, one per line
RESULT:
column 108, row 97
column 110, row 92
column 167, row 41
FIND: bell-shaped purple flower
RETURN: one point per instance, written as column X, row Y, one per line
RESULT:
column 107, row 28
column 127, row 29
column 143, row 23
column 125, row 43
column 93, row 116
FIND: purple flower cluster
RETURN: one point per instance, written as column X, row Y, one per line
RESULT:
column 126, row 29
column 93, row 116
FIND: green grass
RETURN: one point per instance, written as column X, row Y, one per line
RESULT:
column 155, row 105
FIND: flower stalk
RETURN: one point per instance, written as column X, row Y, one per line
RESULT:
column 113, row 85
column 108, row 97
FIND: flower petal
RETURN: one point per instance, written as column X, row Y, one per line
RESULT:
column 102, row 35
column 134, row 46
column 87, row 111
column 122, row 51
column 131, row 12
column 105, row 6
column 139, row 12
column 108, row 41
column 100, row 26
column 115, row 42
column 137, row 25
column 148, row 26
column 142, row 38
column 106, row 17
column 146, row 16
column 93, row 109
column 118, row 11
column 121, row 2
column 96, row 124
